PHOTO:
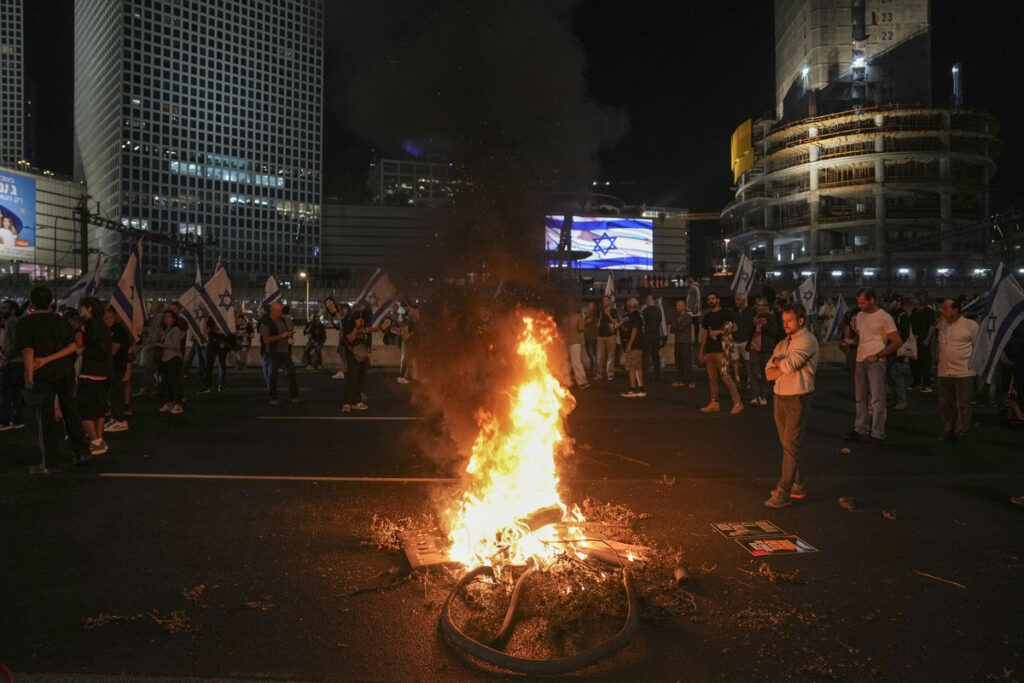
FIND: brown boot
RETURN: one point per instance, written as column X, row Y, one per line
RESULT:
column 712, row 407
column 737, row 408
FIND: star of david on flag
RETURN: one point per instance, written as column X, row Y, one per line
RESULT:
column 1004, row 312
column 379, row 293
column 744, row 277
column 603, row 251
column 213, row 301
column 127, row 299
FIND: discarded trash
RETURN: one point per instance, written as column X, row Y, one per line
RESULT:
column 890, row 513
column 681, row 576
column 844, row 451
column 847, row 503
column 939, row 578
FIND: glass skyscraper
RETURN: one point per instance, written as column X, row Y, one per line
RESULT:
column 203, row 117
column 12, row 82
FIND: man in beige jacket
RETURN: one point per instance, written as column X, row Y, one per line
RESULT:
column 792, row 367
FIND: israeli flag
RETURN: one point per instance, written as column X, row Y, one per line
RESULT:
column 807, row 292
column 127, row 298
column 271, row 292
column 214, row 301
column 1005, row 311
column 379, row 293
column 609, row 288
column 835, row 327
column 744, row 278
column 85, row 286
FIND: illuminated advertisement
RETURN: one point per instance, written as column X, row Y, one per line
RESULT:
column 17, row 217
column 612, row 242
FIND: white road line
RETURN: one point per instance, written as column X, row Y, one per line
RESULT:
column 258, row 477
column 333, row 417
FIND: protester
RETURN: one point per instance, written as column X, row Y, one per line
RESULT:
column 922, row 323
column 897, row 364
column 355, row 333
column 792, row 367
column 631, row 330
column 148, row 357
column 344, row 311
column 407, row 365
column 218, row 346
column 716, row 334
column 120, row 378
column 12, row 369
column 97, row 368
column 276, row 334
column 590, row 339
column 264, row 351
column 682, row 339
column 744, row 318
column 170, row 340
column 848, row 343
column 47, row 346
column 957, row 336
column 607, row 324
column 877, row 338
column 245, row 334
column 762, row 340
column 196, row 351
column 316, row 335
column 571, row 328
column 651, row 340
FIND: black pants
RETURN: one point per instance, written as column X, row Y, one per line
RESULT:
column 220, row 354
column 115, row 394
column 921, row 369
column 355, row 375
column 278, row 361
column 652, row 355
column 170, row 374
column 63, row 388
column 684, row 362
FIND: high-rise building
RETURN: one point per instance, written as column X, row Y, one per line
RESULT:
column 203, row 118
column 861, row 179
column 12, row 82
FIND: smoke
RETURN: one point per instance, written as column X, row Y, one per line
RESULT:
column 499, row 86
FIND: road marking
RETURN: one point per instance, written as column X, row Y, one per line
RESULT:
column 333, row 417
column 259, row 477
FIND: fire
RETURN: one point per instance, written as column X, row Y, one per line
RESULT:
column 504, row 516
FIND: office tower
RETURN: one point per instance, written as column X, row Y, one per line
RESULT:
column 12, row 82
column 860, row 180
column 203, row 118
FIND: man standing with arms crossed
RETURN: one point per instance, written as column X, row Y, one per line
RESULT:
column 877, row 338
column 957, row 336
column 792, row 367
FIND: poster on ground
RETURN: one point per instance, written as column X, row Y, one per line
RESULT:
column 747, row 529
column 775, row 545
column 17, row 217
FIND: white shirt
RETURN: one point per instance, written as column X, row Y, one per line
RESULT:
column 873, row 331
column 956, row 344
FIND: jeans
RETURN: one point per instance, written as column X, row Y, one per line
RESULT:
column 869, row 381
column 197, row 350
column 280, row 360
column 758, row 384
column 790, row 420
column 713, row 362
column 606, row 356
column 684, row 362
column 46, row 422
column 355, row 375
column 221, row 356
column 955, row 403
column 591, row 346
column 577, row 365
column 652, row 355
column 897, row 369
column 12, row 377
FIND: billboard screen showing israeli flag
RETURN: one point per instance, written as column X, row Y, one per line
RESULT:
column 17, row 217
column 613, row 243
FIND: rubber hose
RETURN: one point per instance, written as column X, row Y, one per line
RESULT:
column 508, row 626
column 539, row 666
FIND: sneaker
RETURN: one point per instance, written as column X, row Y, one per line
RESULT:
column 178, row 409
column 220, row 389
column 44, row 469
column 338, row 375
column 610, row 377
column 737, row 408
column 901, row 405
column 297, row 399
column 926, row 390
column 116, row 426
column 346, row 408
column 275, row 402
column 629, row 394
column 641, row 393
column 1017, row 500
column 754, row 402
column 679, row 384
column 762, row 401
column 98, row 448
column 585, row 385
column 691, row 385
column 402, row 380
column 205, row 390
column 360, row 406
column 6, row 427
column 779, row 499
column 798, row 492
column 166, row 408
column 712, row 407
column 853, row 436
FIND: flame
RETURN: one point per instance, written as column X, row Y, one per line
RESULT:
column 511, row 473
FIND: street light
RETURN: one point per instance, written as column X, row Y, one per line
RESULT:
column 303, row 276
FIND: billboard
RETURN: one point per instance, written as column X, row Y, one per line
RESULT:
column 613, row 242
column 17, row 217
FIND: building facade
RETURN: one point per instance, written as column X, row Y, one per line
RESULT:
column 860, row 180
column 203, row 118
column 12, row 82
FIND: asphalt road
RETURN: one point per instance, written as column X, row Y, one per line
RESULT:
column 126, row 570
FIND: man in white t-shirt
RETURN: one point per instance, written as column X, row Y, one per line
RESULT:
column 957, row 336
column 877, row 338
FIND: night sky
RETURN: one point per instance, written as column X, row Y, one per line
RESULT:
column 663, row 84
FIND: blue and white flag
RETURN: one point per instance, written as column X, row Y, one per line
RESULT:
column 85, row 286
column 807, row 292
column 379, row 294
column 609, row 288
column 744, row 278
column 1005, row 311
column 664, row 323
column 271, row 292
column 836, row 326
column 213, row 301
column 127, row 298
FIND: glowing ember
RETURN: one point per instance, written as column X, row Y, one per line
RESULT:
column 503, row 517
